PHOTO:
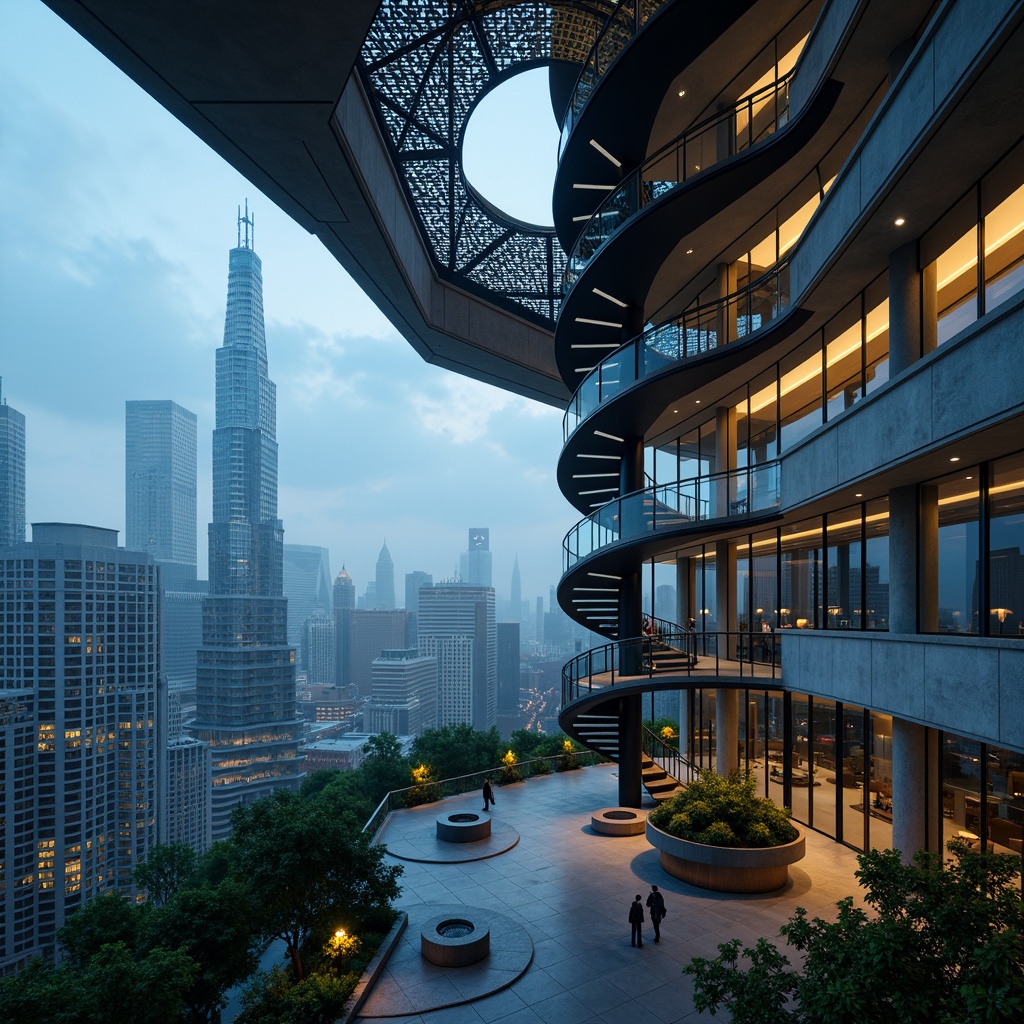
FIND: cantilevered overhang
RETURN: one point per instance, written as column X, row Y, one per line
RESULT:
column 273, row 88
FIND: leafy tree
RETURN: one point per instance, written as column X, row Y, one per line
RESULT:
column 113, row 984
column 455, row 750
column 529, row 744
column 166, row 870
column 213, row 926
column 945, row 944
column 383, row 768
column 273, row 998
column 309, row 872
column 347, row 793
column 107, row 919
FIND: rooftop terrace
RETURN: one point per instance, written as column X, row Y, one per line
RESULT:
column 569, row 889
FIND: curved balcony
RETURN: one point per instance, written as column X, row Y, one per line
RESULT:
column 618, row 32
column 666, row 510
column 696, row 332
column 626, row 94
column 753, row 119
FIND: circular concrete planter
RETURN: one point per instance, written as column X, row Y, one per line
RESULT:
column 726, row 868
column 618, row 821
column 454, row 941
column 463, row 827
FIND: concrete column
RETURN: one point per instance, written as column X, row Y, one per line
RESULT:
column 724, row 326
column 903, row 559
column 913, row 559
column 727, row 731
column 905, row 312
column 686, row 591
column 630, row 750
column 725, row 456
column 909, row 788
column 928, row 558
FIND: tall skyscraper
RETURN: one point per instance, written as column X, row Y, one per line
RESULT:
column 245, row 673
column 160, row 519
column 457, row 627
column 79, row 714
column 307, row 586
column 160, row 481
column 384, row 592
column 516, row 600
column 475, row 561
column 413, row 582
column 344, row 603
column 12, row 474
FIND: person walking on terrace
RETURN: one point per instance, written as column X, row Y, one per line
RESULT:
column 488, row 794
column 656, row 905
column 636, row 922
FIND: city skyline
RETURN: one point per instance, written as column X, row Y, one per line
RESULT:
column 124, row 235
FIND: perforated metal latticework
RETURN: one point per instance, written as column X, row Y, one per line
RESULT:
column 425, row 64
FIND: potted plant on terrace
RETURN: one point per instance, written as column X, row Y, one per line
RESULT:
column 718, row 834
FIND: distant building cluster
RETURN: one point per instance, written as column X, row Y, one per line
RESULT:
column 140, row 704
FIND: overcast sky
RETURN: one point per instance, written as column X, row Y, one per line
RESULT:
column 116, row 226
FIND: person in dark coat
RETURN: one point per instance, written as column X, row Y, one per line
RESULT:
column 656, row 905
column 636, row 922
column 488, row 794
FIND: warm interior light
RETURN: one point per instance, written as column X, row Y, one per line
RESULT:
column 900, row 221
column 682, row 92
column 955, row 458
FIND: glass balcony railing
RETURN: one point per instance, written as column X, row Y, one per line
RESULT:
column 753, row 119
column 693, row 333
column 738, row 493
column 618, row 31
column 739, row 654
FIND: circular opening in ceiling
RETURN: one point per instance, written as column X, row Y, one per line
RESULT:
column 510, row 148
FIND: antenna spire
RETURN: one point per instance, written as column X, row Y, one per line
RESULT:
column 249, row 220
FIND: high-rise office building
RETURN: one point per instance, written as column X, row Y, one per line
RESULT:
column 508, row 713
column 307, row 587
column 319, row 649
column 245, row 673
column 475, row 561
column 79, row 685
column 160, row 518
column 384, row 583
column 160, row 481
column 185, row 804
column 344, row 602
column 12, row 474
column 457, row 627
column 404, row 698
column 413, row 582
column 369, row 633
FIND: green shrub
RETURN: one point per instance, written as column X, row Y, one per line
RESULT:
column 724, row 811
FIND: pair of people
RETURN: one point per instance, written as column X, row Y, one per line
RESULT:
column 656, row 905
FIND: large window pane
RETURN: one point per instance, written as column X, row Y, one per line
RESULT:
column 1006, row 553
column 844, row 569
column 958, row 553
column 956, row 272
column 843, row 338
column 802, row 579
column 855, row 768
column 800, row 391
column 876, row 568
column 1004, row 249
column 877, row 341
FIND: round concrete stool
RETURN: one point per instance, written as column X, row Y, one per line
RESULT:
column 454, row 941
column 463, row 827
column 618, row 821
